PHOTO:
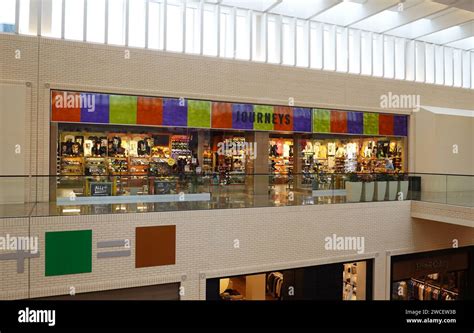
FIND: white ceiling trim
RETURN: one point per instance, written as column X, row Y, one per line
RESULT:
column 448, row 111
column 449, row 35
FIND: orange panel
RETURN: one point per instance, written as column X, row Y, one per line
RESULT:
column 386, row 124
column 150, row 111
column 221, row 115
column 65, row 106
column 338, row 121
column 283, row 117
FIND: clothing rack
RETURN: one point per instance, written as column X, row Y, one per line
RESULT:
column 434, row 286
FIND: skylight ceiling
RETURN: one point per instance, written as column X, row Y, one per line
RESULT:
column 434, row 21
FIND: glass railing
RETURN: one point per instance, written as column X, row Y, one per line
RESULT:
column 25, row 196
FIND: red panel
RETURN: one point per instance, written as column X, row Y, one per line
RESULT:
column 149, row 111
column 283, row 118
column 221, row 115
column 338, row 121
column 65, row 106
column 385, row 124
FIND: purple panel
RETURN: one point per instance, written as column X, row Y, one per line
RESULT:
column 175, row 112
column 242, row 116
column 355, row 122
column 400, row 125
column 99, row 112
column 302, row 120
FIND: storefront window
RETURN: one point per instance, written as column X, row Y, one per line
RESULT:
column 438, row 275
column 339, row 281
column 131, row 139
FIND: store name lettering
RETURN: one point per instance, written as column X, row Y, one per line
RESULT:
column 435, row 264
column 76, row 101
column 263, row 118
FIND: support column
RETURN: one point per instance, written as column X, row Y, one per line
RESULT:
column 297, row 160
column 261, row 169
column 381, row 288
column 203, row 141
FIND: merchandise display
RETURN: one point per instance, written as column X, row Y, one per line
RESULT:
column 133, row 157
column 359, row 154
column 349, row 289
column 231, row 159
column 436, row 287
column 280, row 159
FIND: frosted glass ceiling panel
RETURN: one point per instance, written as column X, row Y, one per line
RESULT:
column 260, row 5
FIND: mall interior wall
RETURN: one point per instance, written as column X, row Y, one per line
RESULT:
column 445, row 142
column 229, row 242
column 46, row 64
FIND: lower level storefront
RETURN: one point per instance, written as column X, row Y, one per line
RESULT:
column 159, row 292
column 339, row 281
column 435, row 275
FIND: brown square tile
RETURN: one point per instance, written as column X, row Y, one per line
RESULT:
column 155, row 246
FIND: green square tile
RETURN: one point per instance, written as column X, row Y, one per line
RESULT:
column 123, row 109
column 321, row 121
column 371, row 123
column 263, row 118
column 199, row 114
column 68, row 252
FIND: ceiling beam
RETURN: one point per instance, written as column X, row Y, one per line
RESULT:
column 328, row 4
column 447, row 36
column 447, row 21
column 377, row 9
column 273, row 6
column 417, row 12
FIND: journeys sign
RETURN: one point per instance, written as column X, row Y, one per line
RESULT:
column 96, row 108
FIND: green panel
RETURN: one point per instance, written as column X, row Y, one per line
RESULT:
column 321, row 121
column 265, row 113
column 123, row 109
column 371, row 123
column 68, row 252
column 199, row 114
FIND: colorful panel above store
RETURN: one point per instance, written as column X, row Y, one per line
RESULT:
column 180, row 112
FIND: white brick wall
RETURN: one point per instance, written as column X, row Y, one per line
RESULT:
column 270, row 238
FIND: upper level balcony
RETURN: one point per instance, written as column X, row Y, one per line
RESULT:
column 443, row 198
